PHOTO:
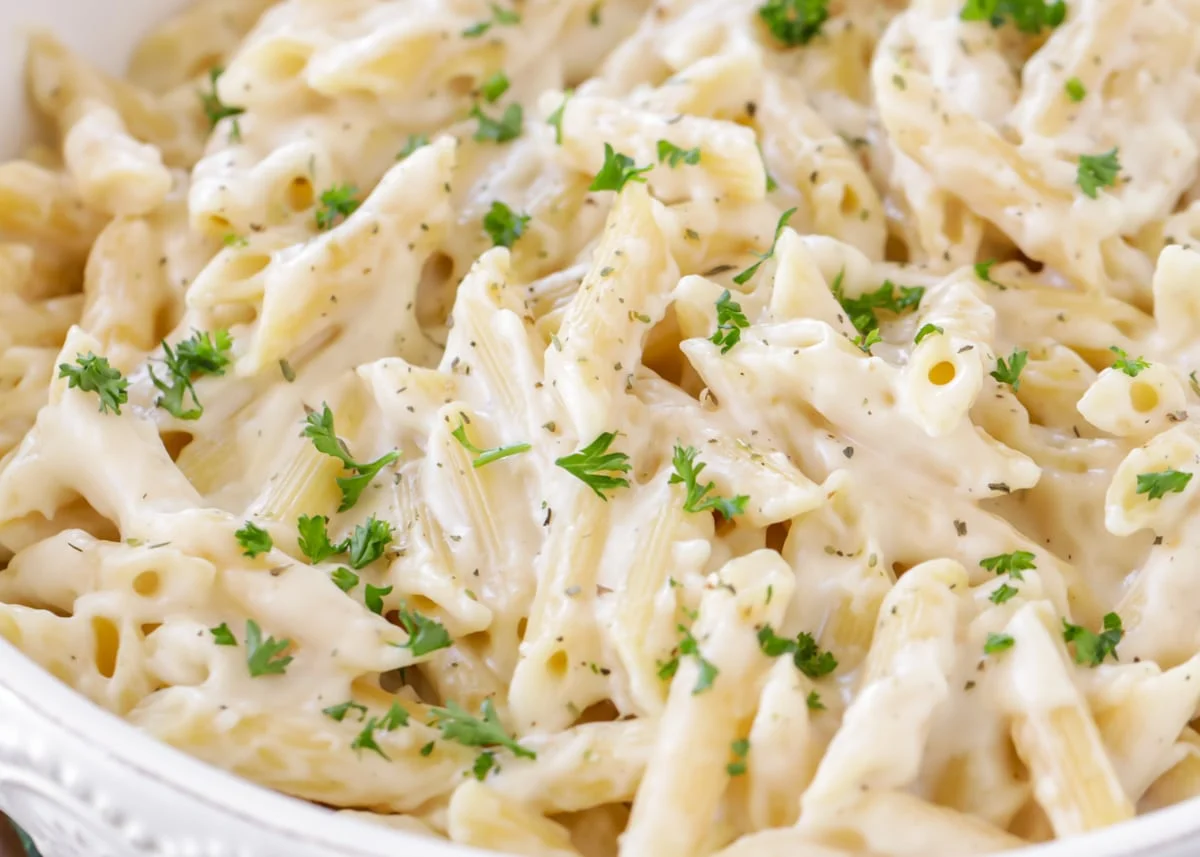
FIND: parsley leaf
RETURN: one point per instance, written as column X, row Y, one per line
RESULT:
column 1002, row 593
column 494, row 87
column 484, row 763
column 500, row 16
column 687, row 472
column 92, row 374
column 739, row 748
column 507, row 127
column 222, row 636
column 368, row 542
column 414, row 142
column 1133, row 367
column 983, row 270
column 1030, row 16
column 926, row 330
column 314, row 539
column 457, row 725
column 814, row 702
column 805, row 652
column 215, row 109
column 1158, row 485
column 425, row 635
column 373, row 598
column 1010, row 372
column 555, row 119
column 673, row 156
column 864, row 341
column 339, row 712
column 200, row 354
column 265, row 657
column 1097, row 171
column 1091, row 649
column 396, row 717
column 503, row 225
column 794, row 22
column 344, row 579
column 320, row 429
column 617, row 171
column 997, row 643
column 253, row 539
column 486, row 456
column 689, row 646
column 731, row 321
column 861, row 311
column 1075, row 90
column 339, row 201
column 746, row 275
column 594, row 465
column 1011, row 564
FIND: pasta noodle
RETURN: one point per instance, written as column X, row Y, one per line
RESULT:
column 615, row 428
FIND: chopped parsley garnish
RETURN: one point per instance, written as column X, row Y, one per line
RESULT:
column 864, row 341
column 617, row 171
column 814, row 701
column 594, row 465
column 373, row 598
column 1158, row 485
column 253, row 539
column 339, row 712
column 1133, row 367
column 983, row 270
column 805, row 652
column 772, row 185
column 232, row 239
column 739, row 748
column 265, row 657
column 222, row 636
column 93, row 374
column 414, row 142
column 926, row 330
column 1002, row 593
column 314, row 539
column 395, row 717
column 500, row 17
column 673, row 156
column 319, row 428
column 503, row 225
column 1075, row 90
column 1030, row 16
column 344, row 579
column 731, row 321
column 425, row 635
column 339, row 202
column 1011, row 564
column 200, row 354
column 689, row 646
column 1091, row 649
column 494, row 87
column 507, row 127
column 794, row 22
column 746, row 275
column 687, row 472
column 1010, row 372
column 368, row 542
column 1097, row 171
column 861, row 311
column 484, row 763
column 457, row 725
column 997, row 643
column 486, row 456
column 555, row 119
column 216, row 109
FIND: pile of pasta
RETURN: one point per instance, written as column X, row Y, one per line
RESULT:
column 613, row 427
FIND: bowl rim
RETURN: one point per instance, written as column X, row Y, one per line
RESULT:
column 123, row 744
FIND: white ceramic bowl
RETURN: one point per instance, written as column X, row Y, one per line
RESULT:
column 86, row 784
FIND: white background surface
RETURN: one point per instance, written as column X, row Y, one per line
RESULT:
column 104, row 30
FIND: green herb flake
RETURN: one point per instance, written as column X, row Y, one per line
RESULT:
column 92, row 374
column 253, row 539
column 594, row 465
column 1158, row 485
